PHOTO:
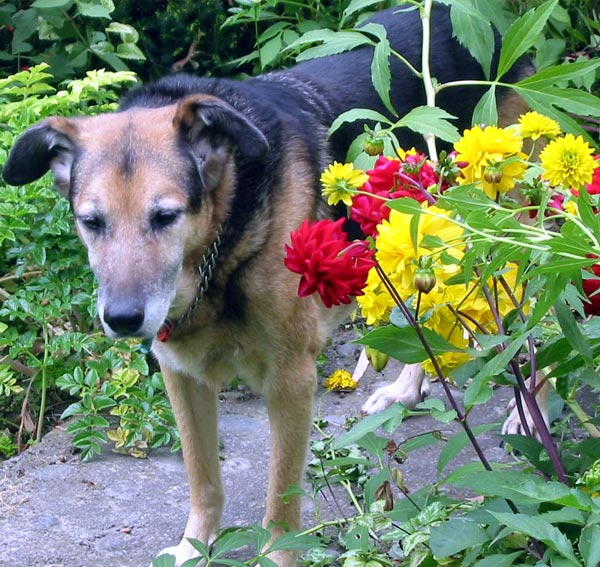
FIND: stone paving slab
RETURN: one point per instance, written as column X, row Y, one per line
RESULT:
column 118, row 511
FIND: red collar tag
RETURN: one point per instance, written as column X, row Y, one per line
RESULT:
column 164, row 333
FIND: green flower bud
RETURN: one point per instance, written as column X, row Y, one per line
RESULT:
column 377, row 359
column 424, row 279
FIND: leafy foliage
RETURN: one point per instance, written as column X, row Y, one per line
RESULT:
column 69, row 35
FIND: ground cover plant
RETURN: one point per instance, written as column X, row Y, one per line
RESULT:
column 524, row 296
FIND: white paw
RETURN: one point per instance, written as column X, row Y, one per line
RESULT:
column 409, row 390
column 513, row 424
column 182, row 552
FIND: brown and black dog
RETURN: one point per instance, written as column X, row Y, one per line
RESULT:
column 185, row 198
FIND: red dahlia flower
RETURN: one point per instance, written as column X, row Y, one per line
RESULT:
column 328, row 263
column 593, row 188
column 591, row 287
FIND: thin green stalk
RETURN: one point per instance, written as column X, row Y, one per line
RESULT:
column 426, row 73
column 44, row 369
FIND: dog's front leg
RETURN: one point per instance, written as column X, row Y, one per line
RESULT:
column 195, row 408
column 411, row 386
column 289, row 398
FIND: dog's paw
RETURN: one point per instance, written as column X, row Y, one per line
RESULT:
column 182, row 553
column 513, row 424
column 407, row 392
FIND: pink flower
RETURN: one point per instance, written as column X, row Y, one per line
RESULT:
column 329, row 264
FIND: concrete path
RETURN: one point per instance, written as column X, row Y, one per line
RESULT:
column 117, row 511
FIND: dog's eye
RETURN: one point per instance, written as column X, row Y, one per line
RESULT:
column 94, row 223
column 162, row 219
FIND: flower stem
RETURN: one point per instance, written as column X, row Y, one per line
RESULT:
column 426, row 72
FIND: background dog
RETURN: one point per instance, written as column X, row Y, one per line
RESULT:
column 185, row 199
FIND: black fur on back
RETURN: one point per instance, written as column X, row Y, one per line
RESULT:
column 302, row 102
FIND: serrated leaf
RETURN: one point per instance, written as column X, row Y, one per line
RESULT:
column 369, row 424
column 381, row 75
column 358, row 114
column 130, row 51
column 539, row 529
column 522, row 34
column 356, row 6
column 475, row 33
column 430, row 120
column 551, row 76
column 332, row 43
column 443, row 539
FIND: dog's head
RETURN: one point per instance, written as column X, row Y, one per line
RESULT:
column 149, row 188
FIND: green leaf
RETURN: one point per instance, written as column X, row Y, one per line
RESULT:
column 444, row 541
column 406, row 205
column 572, row 331
column 44, row 4
column 370, row 423
column 404, row 344
column 333, row 43
column 589, row 544
column 498, row 560
column 356, row 6
column 474, row 32
column 430, row 120
column 358, row 114
column 551, row 76
column 457, row 443
column 296, row 541
column 499, row 362
column 380, row 73
column 486, row 111
column 166, row 560
column 539, row 529
column 93, row 10
column 522, row 34
column 130, row 51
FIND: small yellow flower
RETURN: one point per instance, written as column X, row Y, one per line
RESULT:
column 571, row 208
column 340, row 380
column 535, row 125
column 491, row 148
column 340, row 182
column 568, row 161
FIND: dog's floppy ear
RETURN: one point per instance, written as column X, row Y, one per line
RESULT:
column 50, row 144
column 201, row 116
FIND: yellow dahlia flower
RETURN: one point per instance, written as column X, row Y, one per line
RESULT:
column 486, row 152
column 399, row 256
column 535, row 125
column 340, row 380
column 568, row 161
column 340, row 182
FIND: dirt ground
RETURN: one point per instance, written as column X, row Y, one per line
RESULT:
column 119, row 511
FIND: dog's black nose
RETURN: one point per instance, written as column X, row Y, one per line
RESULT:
column 123, row 319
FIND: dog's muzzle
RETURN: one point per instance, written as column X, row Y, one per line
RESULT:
column 124, row 319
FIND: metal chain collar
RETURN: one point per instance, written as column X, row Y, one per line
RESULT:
column 206, row 270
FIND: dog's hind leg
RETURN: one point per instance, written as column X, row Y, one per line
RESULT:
column 290, row 404
column 195, row 408
column 411, row 386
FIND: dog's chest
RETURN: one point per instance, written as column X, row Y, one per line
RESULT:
column 217, row 357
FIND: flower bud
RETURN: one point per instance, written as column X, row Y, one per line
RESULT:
column 373, row 146
column 424, row 279
column 377, row 359
column 492, row 174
